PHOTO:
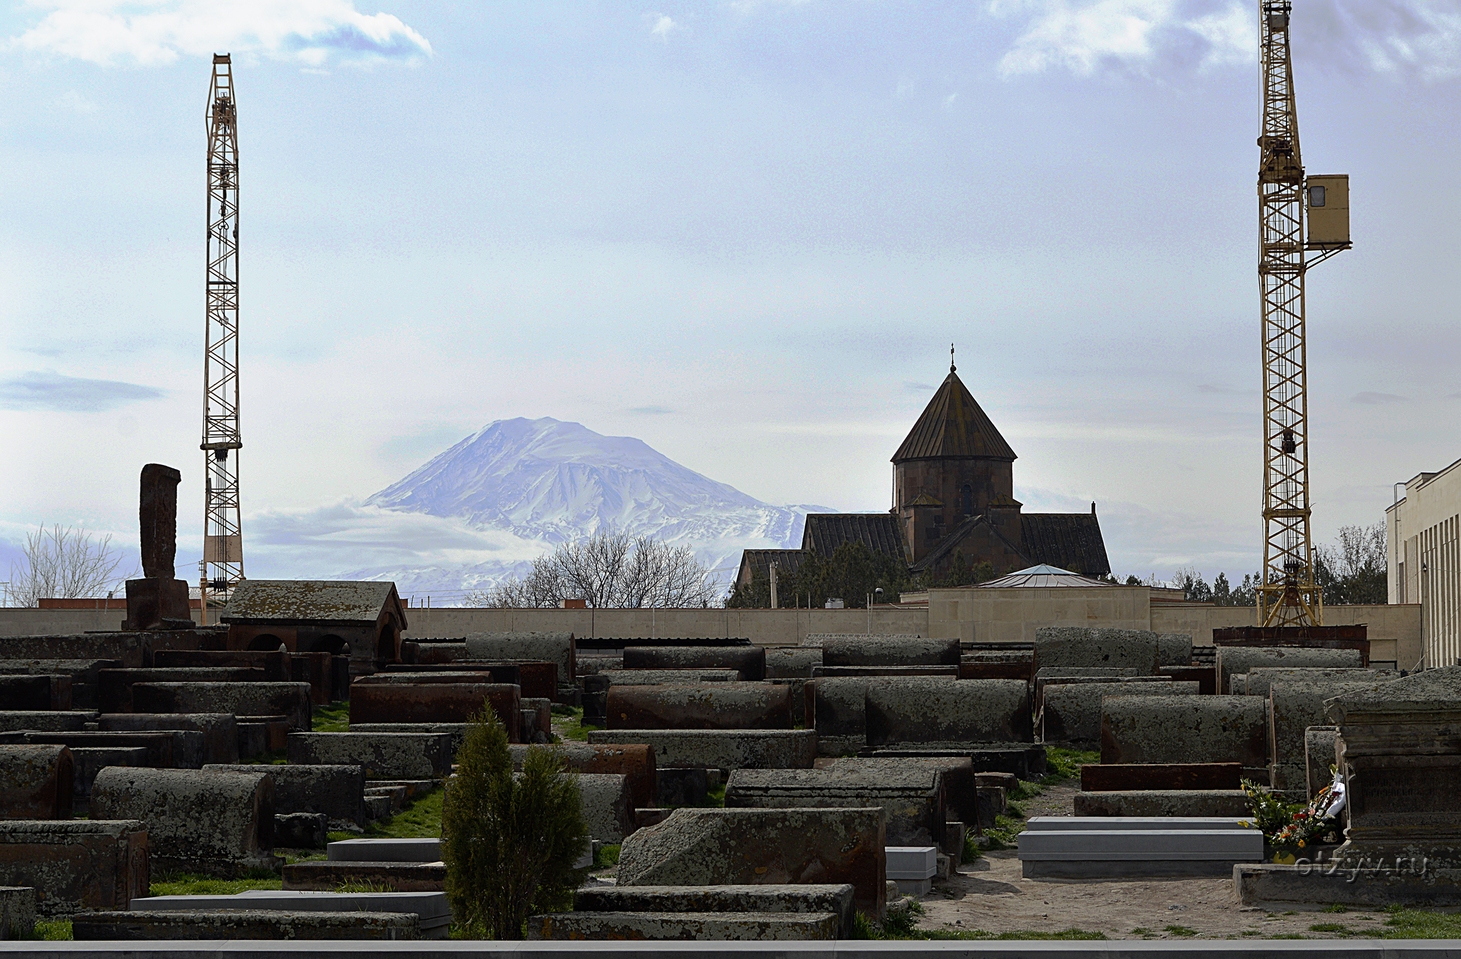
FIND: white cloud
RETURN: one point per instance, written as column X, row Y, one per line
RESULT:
column 151, row 32
column 661, row 26
column 76, row 103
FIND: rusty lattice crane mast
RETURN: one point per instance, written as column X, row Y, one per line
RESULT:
column 1289, row 595
column 222, row 523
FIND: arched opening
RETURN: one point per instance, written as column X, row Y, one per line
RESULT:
column 967, row 493
column 388, row 643
column 329, row 643
column 266, row 641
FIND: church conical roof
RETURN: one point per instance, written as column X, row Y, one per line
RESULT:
column 953, row 425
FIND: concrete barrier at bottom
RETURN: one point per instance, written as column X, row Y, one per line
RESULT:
column 430, row 907
column 836, row 898
column 679, row 926
column 247, row 925
column 1185, row 848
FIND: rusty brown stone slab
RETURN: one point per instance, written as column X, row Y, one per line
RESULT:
column 35, row 782
column 636, row 761
column 435, row 703
column 1204, row 676
column 313, row 668
column 1119, row 777
column 700, row 706
column 750, row 660
column 76, row 863
column 114, row 686
column 35, row 692
column 274, row 663
column 1024, row 670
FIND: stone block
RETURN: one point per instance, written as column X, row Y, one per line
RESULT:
column 536, row 680
column 792, row 662
column 75, row 863
column 35, row 782
column 247, row 924
column 1185, row 729
column 681, row 786
column 1071, row 712
column 764, row 899
column 1185, row 803
column 720, row 748
column 1127, row 777
column 386, row 876
column 126, row 649
column 936, row 710
column 1174, row 649
column 750, row 661
column 336, row 791
column 88, row 761
column 219, row 730
column 1260, row 680
column 706, row 847
column 1372, row 887
column 17, row 912
column 1022, row 760
column 1292, row 708
column 976, row 669
column 423, row 849
column 878, row 672
column 910, row 793
column 1237, row 660
column 436, row 703
column 715, row 926
column 35, row 692
column 114, row 686
column 301, row 830
column 219, row 823
column 956, row 774
column 554, row 647
column 273, row 662
column 636, row 761
column 668, row 677
column 838, row 710
column 701, row 706
column 157, row 603
column 1204, row 676
column 22, row 720
column 429, row 907
column 437, row 654
column 889, row 651
column 291, row 700
column 1099, row 646
column 166, row 748
column 383, row 755
column 1321, row 756
column 606, row 809
column 455, row 732
column 1086, row 824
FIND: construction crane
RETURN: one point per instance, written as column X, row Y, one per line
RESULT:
column 1288, row 595
column 222, row 566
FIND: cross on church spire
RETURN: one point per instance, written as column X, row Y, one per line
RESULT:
column 952, row 367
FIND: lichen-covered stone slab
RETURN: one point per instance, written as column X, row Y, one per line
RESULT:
column 247, row 924
column 940, row 710
column 889, row 651
column 338, row 791
column 1185, row 729
column 557, row 647
column 1071, row 712
column 749, row 661
column 720, row 748
column 800, row 898
column 910, row 792
column 383, row 755
column 1097, row 646
column 1237, row 660
column 633, row 760
column 700, row 706
column 75, row 863
column 685, row 926
column 35, row 782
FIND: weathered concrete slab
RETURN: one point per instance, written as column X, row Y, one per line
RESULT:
column 337, row 791
column 1237, row 660
column 436, row 703
column 1071, row 712
column 707, row 847
column 750, row 661
column 717, row 926
column 700, row 706
column 1184, row 803
column 219, row 823
column 607, row 811
column 1096, row 646
column 765, row 899
column 247, row 924
column 291, row 700
column 75, row 863
column 1185, row 729
column 634, row 760
column 911, row 794
column 17, row 912
column 20, row 720
column 35, row 782
column 220, row 730
column 1292, row 708
column 935, row 710
column 889, row 651
column 383, row 755
column 720, row 748
column 1261, row 679
column 1129, row 777
column 556, row 647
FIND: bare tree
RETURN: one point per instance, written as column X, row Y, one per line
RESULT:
column 64, row 564
column 609, row 571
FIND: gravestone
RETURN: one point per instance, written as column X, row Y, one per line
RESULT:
column 158, row 600
column 75, row 863
column 1186, row 729
column 35, row 782
column 700, row 706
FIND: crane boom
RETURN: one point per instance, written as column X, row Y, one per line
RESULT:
column 1288, row 595
column 222, row 523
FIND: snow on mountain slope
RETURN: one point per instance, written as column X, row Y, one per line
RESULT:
column 546, row 482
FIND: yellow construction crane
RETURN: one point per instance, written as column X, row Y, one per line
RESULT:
column 222, row 524
column 1288, row 595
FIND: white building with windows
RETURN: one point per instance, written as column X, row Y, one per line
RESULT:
column 1423, row 544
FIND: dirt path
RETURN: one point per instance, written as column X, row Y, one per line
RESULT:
column 991, row 895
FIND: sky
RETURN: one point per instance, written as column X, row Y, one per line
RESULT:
column 743, row 231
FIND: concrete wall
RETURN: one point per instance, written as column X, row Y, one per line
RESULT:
column 1013, row 614
column 1394, row 631
column 1423, row 546
column 22, row 621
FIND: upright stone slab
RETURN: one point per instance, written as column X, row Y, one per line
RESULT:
column 1101, row 646
column 1174, row 649
column 1185, row 729
column 291, row 700
column 701, row 706
column 1321, row 756
column 1292, row 708
column 336, row 791
column 911, row 794
column 889, row 651
column 711, row 847
column 158, row 600
column 17, row 912
column 75, row 863
column 749, row 660
column 944, row 711
column 606, row 809
column 383, row 755
column 35, row 782
column 1237, row 660
column 1071, row 712
column 557, row 647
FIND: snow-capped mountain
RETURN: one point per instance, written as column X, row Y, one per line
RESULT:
column 544, row 482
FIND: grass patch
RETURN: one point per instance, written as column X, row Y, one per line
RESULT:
column 188, row 884
column 1004, row 834
column 1181, row 930
column 1062, row 764
column 1142, row 931
column 1419, row 924
column 1337, row 927
column 714, row 797
column 334, row 718
column 1337, row 907
column 573, row 726
column 606, row 855
column 52, row 930
column 420, row 819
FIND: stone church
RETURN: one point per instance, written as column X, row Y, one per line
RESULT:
column 953, row 486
